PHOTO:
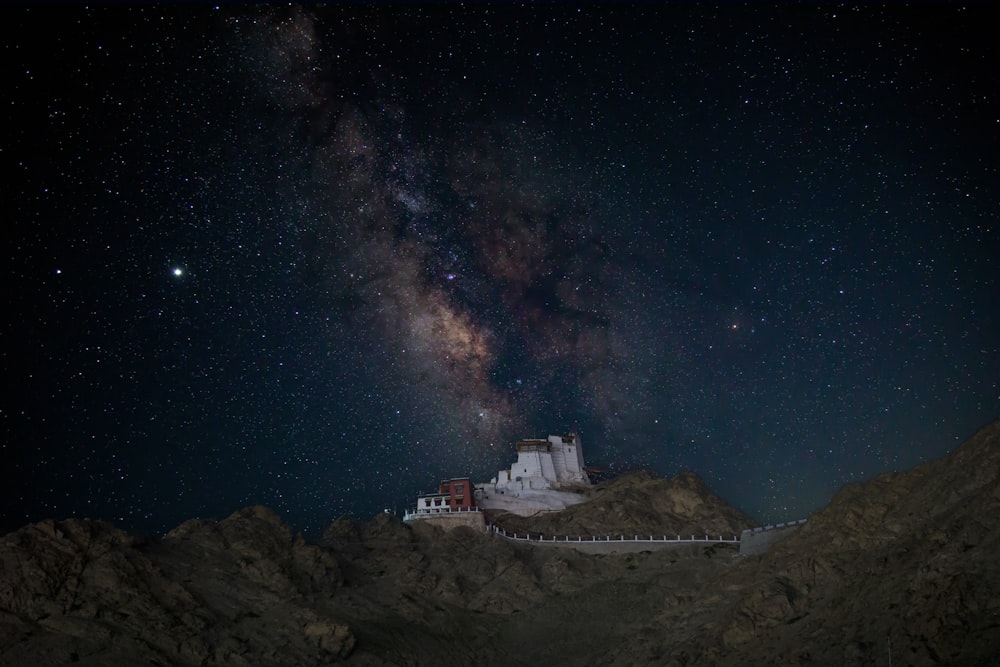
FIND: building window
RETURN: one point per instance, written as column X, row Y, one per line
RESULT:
column 459, row 488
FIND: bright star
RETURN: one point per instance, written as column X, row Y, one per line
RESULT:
column 178, row 271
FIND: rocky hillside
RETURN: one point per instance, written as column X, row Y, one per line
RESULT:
column 638, row 503
column 209, row 593
column 905, row 563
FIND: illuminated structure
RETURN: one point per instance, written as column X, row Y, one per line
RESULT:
column 548, row 476
column 544, row 464
column 454, row 495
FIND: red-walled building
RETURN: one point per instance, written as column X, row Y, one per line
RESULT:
column 460, row 493
column 453, row 495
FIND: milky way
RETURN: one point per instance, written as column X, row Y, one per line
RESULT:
column 320, row 258
column 451, row 249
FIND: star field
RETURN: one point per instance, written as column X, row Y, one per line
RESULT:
column 319, row 258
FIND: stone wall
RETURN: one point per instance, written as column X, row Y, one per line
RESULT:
column 759, row 540
column 615, row 544
column 626, row 547
column 751, row 541
column 449, row 520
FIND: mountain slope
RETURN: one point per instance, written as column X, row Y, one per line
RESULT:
column 84, row 592
column 638, row 503
column 907, row 560
column 904, row 563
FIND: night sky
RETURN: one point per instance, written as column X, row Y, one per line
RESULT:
column 320, row 258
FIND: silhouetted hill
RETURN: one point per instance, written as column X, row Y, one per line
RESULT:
column 904, row 563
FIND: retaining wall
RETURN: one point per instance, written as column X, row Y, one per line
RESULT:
column 614, row 544
column 448, row 520
column 759, row 540
column 751, row 541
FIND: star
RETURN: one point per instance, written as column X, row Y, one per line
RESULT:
column 434, row 252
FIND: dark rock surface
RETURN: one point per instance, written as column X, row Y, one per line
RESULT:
column 905, row 563
column 240, row 591
column 638, row 503
column 907, row 560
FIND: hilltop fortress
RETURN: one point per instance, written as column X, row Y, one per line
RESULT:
column 541, row 479
column 549, row 476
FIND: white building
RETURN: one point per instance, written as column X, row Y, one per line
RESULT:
column 535, row 482
column 544, row 464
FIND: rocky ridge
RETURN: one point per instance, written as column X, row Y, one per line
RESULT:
column 905, row 563
column 85, row 592
column 637, row 503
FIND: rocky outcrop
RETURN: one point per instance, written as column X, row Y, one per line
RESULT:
column 903, row 563
column 82, row 591
column 638, row 503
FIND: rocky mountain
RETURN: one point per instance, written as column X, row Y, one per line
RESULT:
column 85, row 592
column 902, row 567
column 907, row 561
column 637, row 503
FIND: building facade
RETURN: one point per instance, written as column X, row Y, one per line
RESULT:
column 453, row 495
column 544, row 464
column 548, row 475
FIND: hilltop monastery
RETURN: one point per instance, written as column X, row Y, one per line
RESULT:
column 542, row 479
